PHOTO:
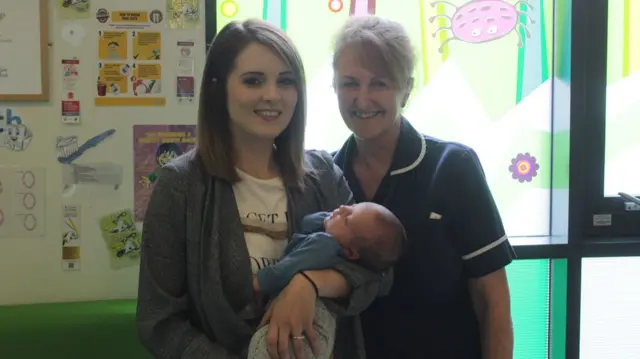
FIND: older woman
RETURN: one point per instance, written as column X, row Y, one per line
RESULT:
column 450, row 297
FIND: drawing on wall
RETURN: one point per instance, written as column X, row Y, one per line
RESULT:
column 480, row 21
column 524, row 167
column 122, row 238
column 71, row 237
column 14, row 134
column 153, row 147
column 183, row 14
column 229, row 8
column 74, row 9
column 129, row 53
column 68, row 149
column 22, row 194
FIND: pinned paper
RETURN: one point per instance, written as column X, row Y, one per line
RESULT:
column 71, row 237
column 185, row 91
column 14, row 134
column 68, row 149
column 22, row 195
column 73, row 34
column 70, row 102
column 107, row 174
column 122, row 238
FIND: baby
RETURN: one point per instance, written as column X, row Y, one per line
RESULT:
column 366, row 233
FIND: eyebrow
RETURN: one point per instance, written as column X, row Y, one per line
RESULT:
column 379, row 78
column 260, row 73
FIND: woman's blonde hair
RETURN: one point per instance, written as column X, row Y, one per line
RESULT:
column 383, row 46
column 215, row 147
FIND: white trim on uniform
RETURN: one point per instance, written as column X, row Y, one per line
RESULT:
column 484, row 249
column 415, row 164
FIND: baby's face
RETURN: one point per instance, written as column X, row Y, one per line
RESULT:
column 347, row 222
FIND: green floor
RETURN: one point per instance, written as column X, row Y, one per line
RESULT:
column 95, row 330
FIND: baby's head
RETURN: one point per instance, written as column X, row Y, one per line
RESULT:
column 368, row 232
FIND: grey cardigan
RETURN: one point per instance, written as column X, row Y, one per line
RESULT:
column 195, row 272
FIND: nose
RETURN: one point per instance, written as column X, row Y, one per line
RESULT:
column 272, row 92
column 362, row 98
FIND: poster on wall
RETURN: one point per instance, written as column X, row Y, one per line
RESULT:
column 153, row 147
column 122, row 238
column 22, row 209
column 185, row 91
column 129, row 59
column 70, row 102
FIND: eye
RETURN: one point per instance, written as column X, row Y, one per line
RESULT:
column 287, row 81
column 349, row 84
column 379, row 84
column 475, row 32
column 492, row 29
column 252, row 81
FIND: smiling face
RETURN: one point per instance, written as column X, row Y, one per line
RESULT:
column 369, row 100
column 262, row 94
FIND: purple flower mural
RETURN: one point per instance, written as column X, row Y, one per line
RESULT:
column 524, row 167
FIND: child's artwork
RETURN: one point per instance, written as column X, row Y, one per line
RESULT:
column 14, row 133
column 122, row 238
column 153, row 147
column 183, row 14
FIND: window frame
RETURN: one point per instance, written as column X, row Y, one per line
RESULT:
column 588, row 127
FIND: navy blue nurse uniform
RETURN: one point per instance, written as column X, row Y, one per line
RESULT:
column 439, row 192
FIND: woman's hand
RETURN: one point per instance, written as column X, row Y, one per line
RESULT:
column 289, row 316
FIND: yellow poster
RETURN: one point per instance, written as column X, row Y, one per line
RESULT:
column 112, row 45
column 147, row 45
column 130, row 73
column 113, row 79
column 146, row 79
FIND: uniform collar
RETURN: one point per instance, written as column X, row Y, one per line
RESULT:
column 410, row 150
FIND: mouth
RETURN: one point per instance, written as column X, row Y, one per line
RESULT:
column 268, row 115
column 365, row 115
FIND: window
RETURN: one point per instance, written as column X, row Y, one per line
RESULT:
column 611, row 105
column 494, row 96
column 610, row 319
column 623, row 99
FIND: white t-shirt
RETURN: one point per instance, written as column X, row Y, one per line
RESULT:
column 262, row 205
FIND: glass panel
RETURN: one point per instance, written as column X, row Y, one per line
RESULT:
column 529, row 286
column 610, row 315
column 622, row 172
column 490, row 92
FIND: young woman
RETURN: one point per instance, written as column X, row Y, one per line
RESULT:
column 450, row 297
column 222, row 211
